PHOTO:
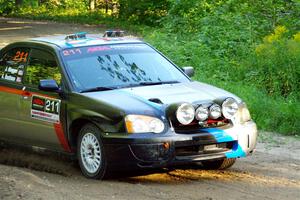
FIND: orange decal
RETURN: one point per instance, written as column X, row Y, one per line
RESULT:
column 22, row 92
column 61, row 137
column 11, row 90
column 20, row 56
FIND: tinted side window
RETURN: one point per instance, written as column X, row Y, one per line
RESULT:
column 13, row 63
column 42, row 65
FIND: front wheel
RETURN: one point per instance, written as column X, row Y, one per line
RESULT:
column 219, row 164
column 90, row 152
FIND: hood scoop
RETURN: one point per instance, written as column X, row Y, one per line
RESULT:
column 155, row 100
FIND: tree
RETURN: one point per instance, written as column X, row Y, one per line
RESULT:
column 18, row 3
column 92, row 4
column 144, row 11
column 41, row 2
column 106, row 6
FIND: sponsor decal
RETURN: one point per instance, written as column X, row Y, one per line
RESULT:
column 129, row 47
column 71, row 52
column 45, row 109
column 98, row 48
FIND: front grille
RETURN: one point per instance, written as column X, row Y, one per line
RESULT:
column 195, row 126
column 203, row 149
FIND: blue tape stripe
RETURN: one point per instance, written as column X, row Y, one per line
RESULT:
column 222, row 136
column 237, row 152
column 219, row 134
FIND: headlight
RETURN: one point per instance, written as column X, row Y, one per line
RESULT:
column 202, row 113
column 185, row 113
column 229, row 108
column 143, row 124
column 215, row 111
column 245, row 115
column 242, row 116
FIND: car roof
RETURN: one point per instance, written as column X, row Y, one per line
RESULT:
column 90, row 40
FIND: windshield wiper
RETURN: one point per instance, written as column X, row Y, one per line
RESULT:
column 131, row 85
column 95, row 89
column 157, row 83
column 148, row 83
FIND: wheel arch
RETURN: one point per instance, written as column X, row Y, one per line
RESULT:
column 75, row 128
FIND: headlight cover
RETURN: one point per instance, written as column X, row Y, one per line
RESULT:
column 245, row 115
column 229, row 108
column 242, row 116
column 202, row 113
column 143, row 124
column 215, row 111
column 185, row 113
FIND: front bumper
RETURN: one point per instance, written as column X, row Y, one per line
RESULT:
column 160, row 150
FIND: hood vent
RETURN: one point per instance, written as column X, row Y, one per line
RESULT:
column 156, row 100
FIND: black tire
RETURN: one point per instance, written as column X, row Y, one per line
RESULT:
column 219, row 164
column 96, row 152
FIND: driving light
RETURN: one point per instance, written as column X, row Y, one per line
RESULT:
column 215, row 111
column 245, row 115
column 242, row 115
column 202, row 113
column 185, row 113
column 143, row 124
column 229, row 108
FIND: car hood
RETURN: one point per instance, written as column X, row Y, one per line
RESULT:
column 135, row 99
column 181, row 92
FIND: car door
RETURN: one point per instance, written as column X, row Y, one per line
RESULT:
column 12, row 66
column 40, row 110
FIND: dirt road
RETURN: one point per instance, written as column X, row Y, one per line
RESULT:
column 14, row 29
column 273, row 172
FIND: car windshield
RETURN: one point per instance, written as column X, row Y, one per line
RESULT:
column 115, row 66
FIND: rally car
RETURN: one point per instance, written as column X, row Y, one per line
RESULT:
column 115, row 101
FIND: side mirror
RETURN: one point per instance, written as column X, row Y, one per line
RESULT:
column 189, row 71
column 49, row 85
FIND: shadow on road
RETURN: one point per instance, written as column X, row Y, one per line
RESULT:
column 68, row 167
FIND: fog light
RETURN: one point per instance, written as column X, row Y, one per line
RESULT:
column 215, row 111
column 166, row 145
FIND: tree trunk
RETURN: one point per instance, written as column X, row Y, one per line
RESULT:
column 92, row 5
column 18, row 3
column 41, row 2
column 106, row 6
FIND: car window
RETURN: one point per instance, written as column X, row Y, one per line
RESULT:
column 12, row 64
column 41, row 65
column 118, row 66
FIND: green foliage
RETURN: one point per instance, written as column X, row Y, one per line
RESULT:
column 277, row 64
column 6, row 6
column 62, row 15
column 227, row 27
column 144, row 11
column 67, row 4
column 38, row 72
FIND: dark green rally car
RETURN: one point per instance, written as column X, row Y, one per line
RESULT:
column 117, row 102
